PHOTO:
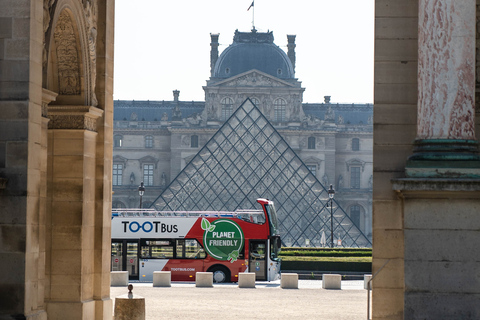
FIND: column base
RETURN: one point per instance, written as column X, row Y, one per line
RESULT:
column 444, row 158
column 74, row 310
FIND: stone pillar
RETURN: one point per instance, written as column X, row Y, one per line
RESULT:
column 71, row 260
column 291, row 49
column 441, row 191
column 446, row 91
column 213, row 52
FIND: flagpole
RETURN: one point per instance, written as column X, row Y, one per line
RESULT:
column 253, row 18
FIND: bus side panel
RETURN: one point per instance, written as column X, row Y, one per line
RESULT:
column 148, row 266
column 184, row 269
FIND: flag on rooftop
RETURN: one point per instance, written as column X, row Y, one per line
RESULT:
column 251, row 5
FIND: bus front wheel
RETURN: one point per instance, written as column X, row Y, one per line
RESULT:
column 220, row 274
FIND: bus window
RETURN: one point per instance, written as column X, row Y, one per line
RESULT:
column 193, row 249
column 161, row 249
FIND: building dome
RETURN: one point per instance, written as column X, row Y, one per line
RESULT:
column 253, row 50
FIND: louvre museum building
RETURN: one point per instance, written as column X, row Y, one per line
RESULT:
column 252, row 137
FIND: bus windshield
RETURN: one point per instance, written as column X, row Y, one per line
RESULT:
column 272, row 217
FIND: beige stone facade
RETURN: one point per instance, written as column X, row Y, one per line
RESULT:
column 56, row 58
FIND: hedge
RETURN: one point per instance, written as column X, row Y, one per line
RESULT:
column 326, row 266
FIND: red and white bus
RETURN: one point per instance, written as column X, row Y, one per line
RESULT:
column 225, row 243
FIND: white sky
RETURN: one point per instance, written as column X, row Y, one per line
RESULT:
column 163, row 45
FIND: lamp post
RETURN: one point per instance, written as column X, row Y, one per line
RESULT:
column 141, row 191
column 331, row 194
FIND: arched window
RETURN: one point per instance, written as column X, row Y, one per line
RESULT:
column 227, row 108
column 355, row 144
column 311, row 143
column 149, row 142
column 255, row 102
column 355, row 214
column 194, row 141
column 118, row 141
column 279, row 107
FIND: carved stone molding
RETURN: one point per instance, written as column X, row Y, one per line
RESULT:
column 74, row 117
column 47, row 97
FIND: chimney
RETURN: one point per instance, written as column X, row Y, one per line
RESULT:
column 176, row 94
column 327, row 99
column 213, row 51
column 291, row 49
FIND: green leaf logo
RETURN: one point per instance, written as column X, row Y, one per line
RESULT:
column 206, row 224
column 211, row 228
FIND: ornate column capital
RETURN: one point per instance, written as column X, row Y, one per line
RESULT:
column 74, row 117
column 47, row 97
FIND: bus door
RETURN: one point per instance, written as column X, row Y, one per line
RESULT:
column 125, row 257
column 257, row 258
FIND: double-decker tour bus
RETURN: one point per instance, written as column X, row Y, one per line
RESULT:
column 186, row 242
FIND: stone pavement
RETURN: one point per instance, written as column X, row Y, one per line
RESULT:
column 266, row 301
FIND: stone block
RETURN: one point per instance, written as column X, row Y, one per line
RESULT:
column 395, row 8
column 382, row 187
column 366, row 281
column 393, row 135
column 204, row 279
column 246, row 280
column 396, row 28
column 396, row 160
column 387, row 303
column 289, row 281
column 392, row 243
column 391, row 276
column 129, row 308
column 388, row 214
column 442, row 277
column 162, row 278
column 6, row 27
column 398, row 93
column 74, row 310
column 119, row 278
column 331, row 281
column 396, row 114
column 395, row 72
column 425, row 305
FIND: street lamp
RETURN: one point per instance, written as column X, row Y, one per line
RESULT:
column 331, row 194
column 141, row 191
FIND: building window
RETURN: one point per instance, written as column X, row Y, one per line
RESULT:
column 255, row 101
column 311, row 142
column 313, row 169
column 118, row 205
column 279, row 107
column 355, row 177
column 194, row 141
column 355, row 215
column 118, row 141
column 227, row 108
column 148, row 174
column 117, row 174
column 149, row 142
column 355, row 144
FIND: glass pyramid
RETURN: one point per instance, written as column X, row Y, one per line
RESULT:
column 248, row 159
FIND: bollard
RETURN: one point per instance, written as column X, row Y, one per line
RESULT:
column 129, row 306
column 246, row 280
column 289, row 281
column 119, row 278
column 162, row 278
column 332, row 281
column 204, row 279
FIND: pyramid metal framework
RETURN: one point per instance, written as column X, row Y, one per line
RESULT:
column 248, row 159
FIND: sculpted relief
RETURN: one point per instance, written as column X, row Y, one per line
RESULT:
column 67, row 56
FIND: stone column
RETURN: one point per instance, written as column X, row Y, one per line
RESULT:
column 441, row 191
column 445, row 143
column 71, row 257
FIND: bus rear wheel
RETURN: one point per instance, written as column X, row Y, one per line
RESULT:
column 220, row 274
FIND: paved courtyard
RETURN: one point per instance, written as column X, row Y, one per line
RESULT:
column 266, row 301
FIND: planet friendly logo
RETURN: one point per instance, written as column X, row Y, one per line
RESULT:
column 223, row 239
